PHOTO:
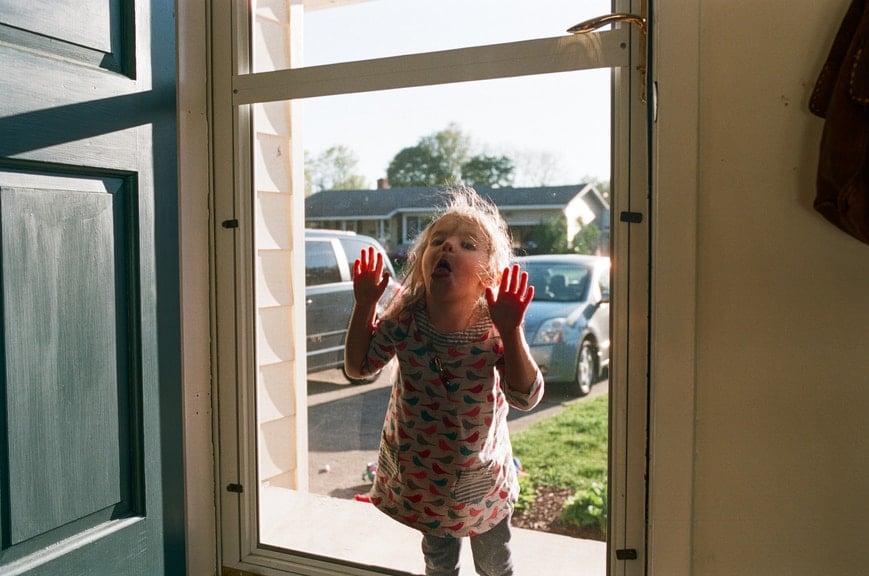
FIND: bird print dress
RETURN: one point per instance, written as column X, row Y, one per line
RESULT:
column 445, row 465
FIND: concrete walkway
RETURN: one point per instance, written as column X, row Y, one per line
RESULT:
column 357, row 532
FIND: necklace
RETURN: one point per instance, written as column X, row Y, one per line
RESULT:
column 439, row 367
column 436, row 363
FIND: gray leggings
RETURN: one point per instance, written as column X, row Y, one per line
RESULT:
column 491, row 551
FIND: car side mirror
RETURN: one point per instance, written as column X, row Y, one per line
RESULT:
column 604, row 297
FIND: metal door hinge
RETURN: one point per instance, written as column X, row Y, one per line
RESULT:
column 626, row 554
column 237, row 488
column 631, row 217
column 230, row 223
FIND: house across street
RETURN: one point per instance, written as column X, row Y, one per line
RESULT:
column 394, row 216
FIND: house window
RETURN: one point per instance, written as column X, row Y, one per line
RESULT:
column 413, row 225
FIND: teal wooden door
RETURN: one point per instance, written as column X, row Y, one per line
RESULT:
column 89, row 386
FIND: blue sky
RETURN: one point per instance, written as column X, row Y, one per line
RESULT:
column 564, row 123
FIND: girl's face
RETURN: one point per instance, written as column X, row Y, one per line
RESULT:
column 455, row 261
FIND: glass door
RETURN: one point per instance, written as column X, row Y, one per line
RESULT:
column 332, row 113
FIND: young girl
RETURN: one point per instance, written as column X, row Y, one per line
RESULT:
column 446, row 465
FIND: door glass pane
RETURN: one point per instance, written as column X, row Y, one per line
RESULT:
column 352, row 30
column 546, row 139
column 554, row 132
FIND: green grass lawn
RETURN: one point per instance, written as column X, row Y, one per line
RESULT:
column 568, row 450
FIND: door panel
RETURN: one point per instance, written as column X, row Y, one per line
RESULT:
column 86, row 101
column 62, row 360
column 91, row 31
column 85, row 28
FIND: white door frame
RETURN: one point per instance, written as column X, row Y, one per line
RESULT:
column 233, row 89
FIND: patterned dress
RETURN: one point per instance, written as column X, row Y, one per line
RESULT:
column 446, row 464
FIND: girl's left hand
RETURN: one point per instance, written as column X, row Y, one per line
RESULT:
column 514, row 295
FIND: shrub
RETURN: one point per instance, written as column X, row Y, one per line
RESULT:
column 587, row 507
column 587, row 240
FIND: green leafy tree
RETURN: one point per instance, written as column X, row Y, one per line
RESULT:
column 334, row 169
column 495, row 171
column 436, row 160
column 309, row 177
column 587, row 240
column 550, row 237
column 417, row 166
column 452, row 146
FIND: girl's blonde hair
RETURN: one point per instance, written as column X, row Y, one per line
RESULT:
column 465, row 203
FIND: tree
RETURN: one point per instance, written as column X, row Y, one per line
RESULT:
column 550, row 237
column 436, row 160
column 417, row 166
column 453, row 146
column 587, row 240
column 495, row 171
column 536, row 168
column 334, row 169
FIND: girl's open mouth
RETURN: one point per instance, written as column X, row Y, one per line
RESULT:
column 442, row 268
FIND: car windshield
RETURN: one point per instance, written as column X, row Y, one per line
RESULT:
column 558, row 282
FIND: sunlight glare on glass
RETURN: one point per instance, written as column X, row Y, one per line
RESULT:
column 338, row 31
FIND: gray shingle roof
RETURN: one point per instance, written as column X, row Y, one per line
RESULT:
column 386, row 202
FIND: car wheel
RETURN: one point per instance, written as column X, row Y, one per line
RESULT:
column 586, row 368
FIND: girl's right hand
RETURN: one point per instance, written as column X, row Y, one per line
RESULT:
column 513, row 297
column 369, row 277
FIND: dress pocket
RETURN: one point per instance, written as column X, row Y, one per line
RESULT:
column 473, row 485
column 387, row 460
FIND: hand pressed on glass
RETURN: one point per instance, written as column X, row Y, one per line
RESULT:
column 514, row 295
column 369, row 277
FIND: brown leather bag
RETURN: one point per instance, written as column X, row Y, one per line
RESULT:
column 841, row 95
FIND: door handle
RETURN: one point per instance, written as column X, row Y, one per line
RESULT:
column 593, row 24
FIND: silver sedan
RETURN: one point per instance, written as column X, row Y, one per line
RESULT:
column 567, row 323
